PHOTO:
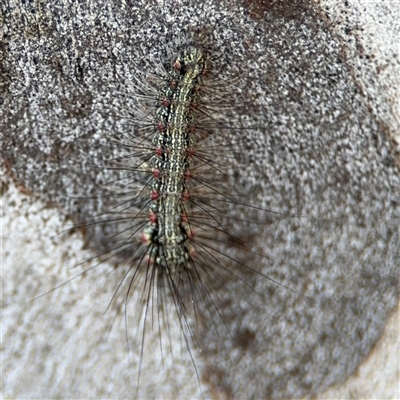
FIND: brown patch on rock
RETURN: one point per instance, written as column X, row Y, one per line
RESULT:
column 215, row 378
column 244, row 338
column 281, row 9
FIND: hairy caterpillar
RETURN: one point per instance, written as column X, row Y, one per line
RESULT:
column 307, row 146
column 174, row 184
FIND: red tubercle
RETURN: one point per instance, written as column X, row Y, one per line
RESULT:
column 184, row 218
column 190, row 233
column 161, row 127
column 188, row 175
column 152, row 217
column 185, row 195
column 156, row 172
column 190, row 153
column 165, row 102
column 159, row 153
column 154, row 195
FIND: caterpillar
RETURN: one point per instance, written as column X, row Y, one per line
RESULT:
column 173, row 187
column 281, row 125
column 169, row 230
column 179, row 219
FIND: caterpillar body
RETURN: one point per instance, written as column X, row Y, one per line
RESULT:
column 170, row 196
column 169, row 233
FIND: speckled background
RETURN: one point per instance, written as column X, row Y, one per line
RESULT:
column 319, row 94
